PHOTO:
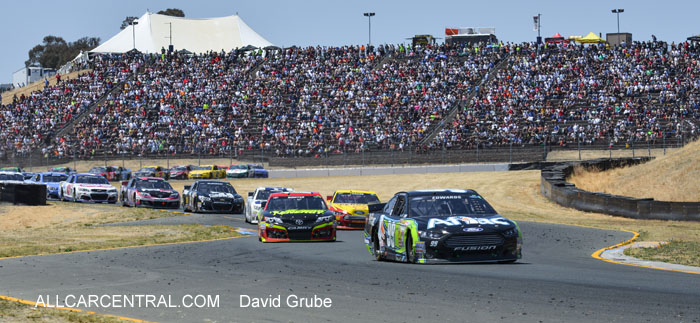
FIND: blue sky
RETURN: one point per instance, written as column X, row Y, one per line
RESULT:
column 24, row 23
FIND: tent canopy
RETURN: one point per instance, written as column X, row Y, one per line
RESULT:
column 557, row 38
column 590, row 38
column 152, row 33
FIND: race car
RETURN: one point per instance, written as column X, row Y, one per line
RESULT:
column 11, row 177
column 52, row 182
column 351, row 207
column 296, row 216
column 435, row 226
column 206, row 172
column 112, row 173
column 11, row 169
column 153, row 171
column 152, row 192
column 211, row 196
column 256, row 198
column 180, row 172
column 246, row 171
column 87, row 188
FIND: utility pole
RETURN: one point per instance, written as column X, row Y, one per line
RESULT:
column 618, row 12
column 369, row 15
column 133, row 30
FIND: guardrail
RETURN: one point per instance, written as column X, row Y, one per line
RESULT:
column 18, row 193
column 554, row 186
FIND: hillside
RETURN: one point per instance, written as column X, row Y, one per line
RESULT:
column 673, row 177
column 36, row 86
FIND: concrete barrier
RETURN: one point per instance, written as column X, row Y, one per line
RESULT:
column 553, row 185
column 30, row 194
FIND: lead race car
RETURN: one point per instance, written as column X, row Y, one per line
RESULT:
column 296, row 216
column 435, row 226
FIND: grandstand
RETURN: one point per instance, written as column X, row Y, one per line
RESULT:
column 465, row 101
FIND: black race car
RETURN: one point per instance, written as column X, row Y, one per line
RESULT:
column 211, row 196
column 441, row 226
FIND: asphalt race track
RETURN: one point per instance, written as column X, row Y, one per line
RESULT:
column 557, row 280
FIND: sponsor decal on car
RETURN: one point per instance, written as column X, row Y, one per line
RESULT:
column 473, row 229
column 460, row 220
column 475, row 248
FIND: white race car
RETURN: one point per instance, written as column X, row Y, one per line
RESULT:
column 87, row 188
column 252, row 205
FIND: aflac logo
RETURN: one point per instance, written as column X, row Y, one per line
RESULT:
column 459, row 220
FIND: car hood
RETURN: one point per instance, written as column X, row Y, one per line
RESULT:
column 298, row 214
column 105, row 186
column 201, row 171
column 462, row 223
column 217, row 195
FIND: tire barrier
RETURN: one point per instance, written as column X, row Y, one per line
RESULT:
column 554, row 186
column 29, row 194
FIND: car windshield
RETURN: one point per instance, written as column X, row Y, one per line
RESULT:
column 179, row 168
column 202, row 167
column 98, row 170
column 11, row 177
column 281, row 203
column 53, row 178
column 257, row 167
column 240, row 167
column 264, row 194
column 147, row 169
column 91, row 180
column 439, row 205
column 207, row 188
column 356, row 198
column 153, row 184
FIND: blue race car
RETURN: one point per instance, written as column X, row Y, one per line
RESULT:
column 52, row 181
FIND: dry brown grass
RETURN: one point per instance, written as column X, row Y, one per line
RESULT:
column 65, row 227
column 17, row 312
column 674, row 177
column 566, row 155
column 37, row 86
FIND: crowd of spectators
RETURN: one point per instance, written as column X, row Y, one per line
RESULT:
column 315, row 100
column 570, row 94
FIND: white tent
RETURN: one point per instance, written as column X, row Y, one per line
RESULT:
column 195, row 35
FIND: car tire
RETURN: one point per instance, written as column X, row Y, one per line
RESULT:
column 507, row 261
column 75, row 200
column 375, row 239
column 410, row 251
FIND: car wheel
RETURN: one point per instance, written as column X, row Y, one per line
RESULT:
column 507, row 261
column 74, row 199
column 377, row 255
column 410, row 251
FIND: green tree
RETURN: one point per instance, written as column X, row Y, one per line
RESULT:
column 172, row 12
column 55, row 51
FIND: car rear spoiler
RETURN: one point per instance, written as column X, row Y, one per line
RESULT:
column 375, row 207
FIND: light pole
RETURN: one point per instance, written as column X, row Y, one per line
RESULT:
column 133, row 24
column 618, row 12
column 369, row 16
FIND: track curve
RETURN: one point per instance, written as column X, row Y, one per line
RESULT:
column 557, row 280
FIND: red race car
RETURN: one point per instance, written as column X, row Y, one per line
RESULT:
column 296, row 216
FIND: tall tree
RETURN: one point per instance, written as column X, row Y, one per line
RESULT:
column 55, row 51
column 172, row 12
column 127, row 21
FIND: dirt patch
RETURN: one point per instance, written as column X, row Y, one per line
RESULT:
column 673, row 177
